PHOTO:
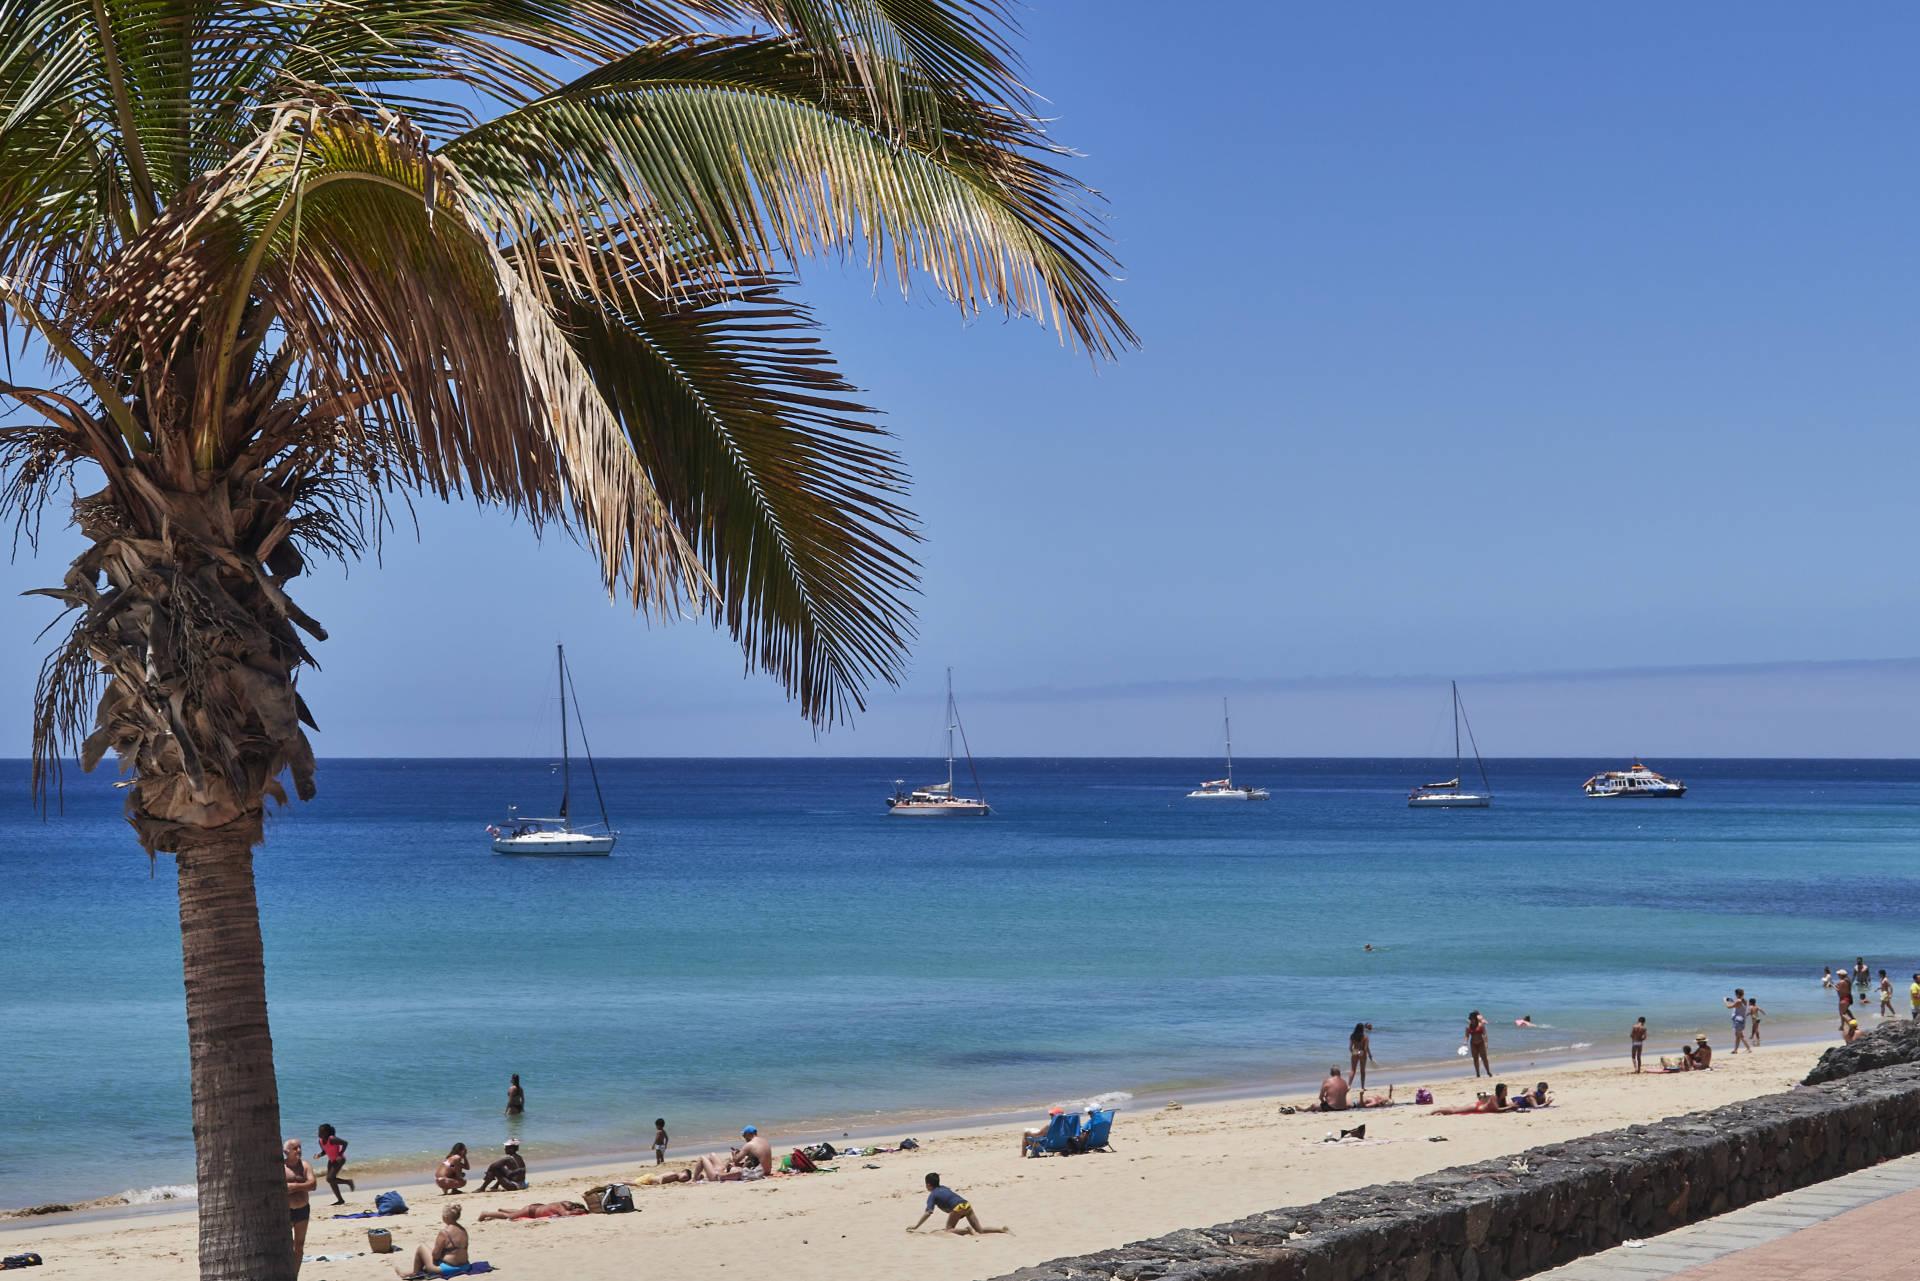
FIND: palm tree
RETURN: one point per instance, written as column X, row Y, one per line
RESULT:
column 285, row 261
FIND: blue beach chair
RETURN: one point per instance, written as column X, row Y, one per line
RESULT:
column 1097, row 1136
column 1060, row 1135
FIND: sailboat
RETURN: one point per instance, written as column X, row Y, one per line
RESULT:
column 557, row 837
column 1222, row 789
column 1448, row 795
column 936, row 800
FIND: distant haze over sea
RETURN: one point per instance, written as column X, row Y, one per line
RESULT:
column 1856, row 709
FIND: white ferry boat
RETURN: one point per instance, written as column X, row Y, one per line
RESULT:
column 1639, row 782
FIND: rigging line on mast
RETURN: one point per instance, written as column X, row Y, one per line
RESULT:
column 969, row 750
column 592, row 771
column 1461, row 707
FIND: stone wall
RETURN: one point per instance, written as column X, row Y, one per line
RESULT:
column 1514, row 1216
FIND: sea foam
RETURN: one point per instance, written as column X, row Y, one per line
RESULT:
column 155, row 1195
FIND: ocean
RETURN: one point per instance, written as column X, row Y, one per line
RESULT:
column 767, row 946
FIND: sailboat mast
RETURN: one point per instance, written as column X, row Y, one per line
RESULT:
column 950, row 731
column 1456, row 728
column 1227, row 722
column 566, row 762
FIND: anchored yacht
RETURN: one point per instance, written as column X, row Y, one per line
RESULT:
column 1639, row 782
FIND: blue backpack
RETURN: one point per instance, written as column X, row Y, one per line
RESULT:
column 390, row 1203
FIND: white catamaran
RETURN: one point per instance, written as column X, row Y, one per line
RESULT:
column 1222, row 789
column 557, row 837
column 1448, row 795
column 936, row 800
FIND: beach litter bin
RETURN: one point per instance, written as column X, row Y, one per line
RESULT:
column 379, row 1240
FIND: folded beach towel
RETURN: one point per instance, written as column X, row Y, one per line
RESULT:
column 369, row 1214
column 471, row 1270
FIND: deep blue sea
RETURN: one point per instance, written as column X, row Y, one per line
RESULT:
column 767, row 945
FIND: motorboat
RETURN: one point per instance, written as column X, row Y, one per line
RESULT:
column 557, row 837
column 1449, row 795
column 1637, row 782
column 1225, row 789
column 936, row 800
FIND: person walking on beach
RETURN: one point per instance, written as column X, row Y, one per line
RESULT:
column 334, row 1148
column 1886, row 997
column 1637, row 1037
column 957, row 1208
column 1738, row 1004
column 516, row 1097
column 1360, row 1051
column 1754, row 1013
column 449, row 1249
column 300, row 1182
column 659, row 1140
column 1477, row 1043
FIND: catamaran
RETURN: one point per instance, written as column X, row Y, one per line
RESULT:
column 1448, row 795
column 936, row 800
column 557, row 837
column 1222, row 789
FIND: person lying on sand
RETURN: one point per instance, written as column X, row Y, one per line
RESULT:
column 1336, row 1096
column 940, row 1197
column 538, row 1210
column 752, row 1160
column 1538, row 1097
column 1495, row 1102
column 509, row 1173
column 449, row 1249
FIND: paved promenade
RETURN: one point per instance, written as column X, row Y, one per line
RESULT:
column 1863, row 1226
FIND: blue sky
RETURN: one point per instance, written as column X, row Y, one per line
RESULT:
column 1486, row 342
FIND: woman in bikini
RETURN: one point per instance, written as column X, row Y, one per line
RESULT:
column 1477, row 1043
column 538, row 1210
column 1495, row 1102
column 452, row 1174
column 1360, row 1051
column 449, row 1257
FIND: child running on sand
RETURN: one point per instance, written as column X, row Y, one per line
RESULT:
column 335, row 1149
column 941, row 1197
column 1637, row 1034
column 659, row 1140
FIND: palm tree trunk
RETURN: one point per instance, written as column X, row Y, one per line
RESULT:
column 244, row 1234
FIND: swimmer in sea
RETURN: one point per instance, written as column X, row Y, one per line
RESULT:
column 1525, row 1020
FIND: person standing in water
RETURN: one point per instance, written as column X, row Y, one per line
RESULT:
column 516, row 1097
column 1754, row 1013
column 334, row 1148
column 1637, row 1036
column 1886, row 997
column 1360, row 1051
column 1477, row 1043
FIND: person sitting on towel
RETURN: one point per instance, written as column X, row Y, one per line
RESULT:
column 1333, row 1092
column 1700, row 1057
column 449, row 1249
column 752, row 1160
column 509, row 1173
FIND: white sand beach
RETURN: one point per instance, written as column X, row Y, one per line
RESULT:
column 1171, row 1168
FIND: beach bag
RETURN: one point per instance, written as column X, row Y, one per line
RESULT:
column 379, row 1241
column 1423, row 1096
column 21, row 1261
column 820, row 1152
column 618, row 1200
column 390, row 1203
column 802, row 1163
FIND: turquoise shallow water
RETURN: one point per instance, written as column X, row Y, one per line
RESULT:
column 767, row 945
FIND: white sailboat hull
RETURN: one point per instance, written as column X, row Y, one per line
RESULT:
column 1448, row 801
column 557, row 844
column 939, row 809
column 1229, row 794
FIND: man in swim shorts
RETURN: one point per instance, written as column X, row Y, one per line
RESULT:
column 1333, row 1092
column 449, row 1249
column 300, row 1182
column 752, row 1160
column 957, row 1208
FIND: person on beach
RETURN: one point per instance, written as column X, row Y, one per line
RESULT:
column 1031, row 1137
column 1495, row 1102
column 1637, row 1039
column 1826, row 977
column 1477, row 1043
column 538, row 1210
column 752, row 1160
column 1843, row 994
column 659, row 1140
column 449, row 1254
column 1861, row 976
column 1700, row 1057
column 1886, row 996
column 1333, row 1092
column 1538, row 1097
column 509, row 1173
column 334, row 1148
column 957, row 1208
column 1913, row 997
column 300, row 1183
column 1849, row 1029
column 516, row 1097
column 1738, row 1004
column 452, row 1174
column 1754, row 1015
column 1360, row 1052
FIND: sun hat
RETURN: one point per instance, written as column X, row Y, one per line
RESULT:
column 1702, row 1038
